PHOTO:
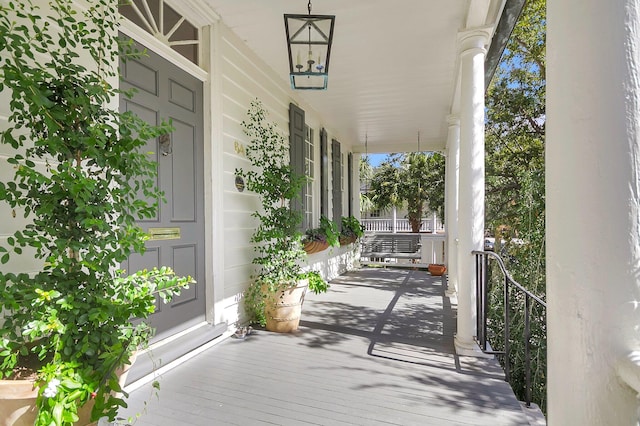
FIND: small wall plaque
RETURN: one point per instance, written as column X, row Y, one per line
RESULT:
column 239, row 148
column 239, row 183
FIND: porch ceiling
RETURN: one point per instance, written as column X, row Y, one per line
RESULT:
column 393, row 70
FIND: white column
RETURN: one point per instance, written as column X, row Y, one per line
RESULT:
column 593, row 209
column 471, row 197
column 451, row 205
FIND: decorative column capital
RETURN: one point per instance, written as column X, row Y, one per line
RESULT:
column 453, row 120
column 453, row 136
column 474, row 40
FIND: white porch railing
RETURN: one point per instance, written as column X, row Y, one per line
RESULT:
column 432, row 250
column 401, row 225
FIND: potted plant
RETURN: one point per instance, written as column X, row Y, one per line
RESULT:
column 279, row 280
column 351, row 230
column 78, row 179
column 320, row 238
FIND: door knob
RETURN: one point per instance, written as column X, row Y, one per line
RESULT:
column 165, row 144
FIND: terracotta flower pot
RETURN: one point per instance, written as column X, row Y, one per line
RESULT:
column 284, row 308
column 437, row 269
column 18, row 404
column 18, row 400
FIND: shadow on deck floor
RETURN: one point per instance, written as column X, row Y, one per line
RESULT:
column 377, row 349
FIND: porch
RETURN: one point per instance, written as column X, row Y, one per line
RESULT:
column 376, row 349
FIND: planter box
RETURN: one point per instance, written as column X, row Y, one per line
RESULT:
column 315, row 246
column 345, row 241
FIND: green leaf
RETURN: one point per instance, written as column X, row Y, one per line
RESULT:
column 70, row 384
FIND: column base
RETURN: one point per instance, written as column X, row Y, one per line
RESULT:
column 452, row 294
column 469, row 348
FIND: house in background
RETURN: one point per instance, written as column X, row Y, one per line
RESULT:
column 398, row 68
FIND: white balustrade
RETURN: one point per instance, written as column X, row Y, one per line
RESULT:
column 402, row 225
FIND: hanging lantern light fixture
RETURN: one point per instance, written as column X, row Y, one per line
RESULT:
column 309, row 39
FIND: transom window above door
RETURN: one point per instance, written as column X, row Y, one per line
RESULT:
column 165, row 24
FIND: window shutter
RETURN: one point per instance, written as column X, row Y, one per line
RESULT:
column 350, row 182
column 324, row 174
column 296, row 151
column 337, row 181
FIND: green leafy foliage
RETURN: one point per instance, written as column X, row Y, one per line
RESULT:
column 515, row 189
column 317, row 284
column 78, row 179
column 327, row 232
column 351, row 227
column 366, row 172
column 516, row 119
column 415, row 179
column 278, row 248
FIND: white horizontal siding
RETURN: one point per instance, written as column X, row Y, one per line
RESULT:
column 244, row 78
column 242, row 219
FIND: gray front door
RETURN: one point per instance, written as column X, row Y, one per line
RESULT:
column 165, row 92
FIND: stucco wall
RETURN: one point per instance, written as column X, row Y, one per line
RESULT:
column 593, row 209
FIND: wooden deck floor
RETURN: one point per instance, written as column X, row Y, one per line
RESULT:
column 376, row 350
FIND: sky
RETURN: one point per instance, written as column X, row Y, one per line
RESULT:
column 376, row 159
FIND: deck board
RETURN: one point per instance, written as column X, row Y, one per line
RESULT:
column 377, row 349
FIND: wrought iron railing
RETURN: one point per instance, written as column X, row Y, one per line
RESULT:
column 483, row 306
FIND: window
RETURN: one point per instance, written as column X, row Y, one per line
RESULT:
column 165, row 24
column 324, row 174
column 350, row 183
column 336, row 159
column 308, row 171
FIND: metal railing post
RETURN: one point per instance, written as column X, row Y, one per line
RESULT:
column 479, row 302
column 507, row 346
column 485, row 298
column 527, row 349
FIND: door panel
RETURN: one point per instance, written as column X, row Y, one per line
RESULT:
column 184, row 259
column 149, row 116
column 184, row 197
column 164, row 92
